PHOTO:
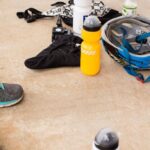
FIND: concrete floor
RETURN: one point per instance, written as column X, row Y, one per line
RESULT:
column 63, row 109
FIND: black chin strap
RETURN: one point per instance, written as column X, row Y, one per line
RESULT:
column 30, row 15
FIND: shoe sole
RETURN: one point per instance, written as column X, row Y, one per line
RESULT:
column 14, row 102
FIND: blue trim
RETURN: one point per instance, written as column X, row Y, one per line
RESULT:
column 135, row 60
column 130, row 70
column 2, row 86
column 8, row 103
column 127, row 45
column 143, row 37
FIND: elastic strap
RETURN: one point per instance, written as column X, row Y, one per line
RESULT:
column 58, row 4
column 142, row 39
column 126, row 47
column 130, row 70
column 30, row 15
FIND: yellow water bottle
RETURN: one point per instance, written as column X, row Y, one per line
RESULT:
column 90, row 47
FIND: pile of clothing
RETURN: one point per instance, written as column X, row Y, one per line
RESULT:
column 126, row 39
column 64, row 51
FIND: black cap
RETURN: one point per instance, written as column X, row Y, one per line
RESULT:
column 107, row 140
column 92, row 23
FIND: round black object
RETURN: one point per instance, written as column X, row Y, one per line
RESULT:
column 106, row 140
column 68, row 21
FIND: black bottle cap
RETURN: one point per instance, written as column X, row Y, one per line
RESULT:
column 106, row 140
column 92, row 23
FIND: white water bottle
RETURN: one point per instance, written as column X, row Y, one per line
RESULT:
column 129, row 7
column 81, row 9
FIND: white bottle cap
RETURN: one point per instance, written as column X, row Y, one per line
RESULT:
column 83, row 3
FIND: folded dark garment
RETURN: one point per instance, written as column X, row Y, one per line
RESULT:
column 110, row 15
column 65, row 51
